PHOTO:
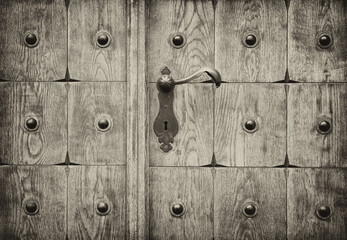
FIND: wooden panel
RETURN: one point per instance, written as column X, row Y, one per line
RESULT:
column 192, row 19
column 267, row 20
column 88, row 103
column 307, row 105
column 87, row 186
column 47, row 20
column 47, row 103
column 310, row 188
column 193, row 187
column 235, row 104
column 307, row 19
column 46, row 185
column 193, row 144
column 234, row 188
column 88, row 61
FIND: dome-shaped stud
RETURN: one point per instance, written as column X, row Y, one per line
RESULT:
column 324, row 126
column 103, row 39
column 31, row 124
column 103, row 123
column 177, row 209
column 250, row 125
column 102, row 207
column 250, row 210
column 31, row 40
column 178, row 40
column 324, row 40
column 31, row 207
column 250, row 40
column 324, row 211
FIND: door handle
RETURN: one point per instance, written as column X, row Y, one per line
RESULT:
column 166, row 124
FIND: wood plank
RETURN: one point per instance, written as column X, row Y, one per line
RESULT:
column 307, row 105
column 309, row 189
column 264, row 187
column 88, row 185
column 48, row 21
column 235, row 104
column 47, row 186
column 88, row 61
column 193, row 144
column 193, row 187
column 307, row 19
column 45, row 102
column 88, row 104
column 267, row 20
column 192, row 19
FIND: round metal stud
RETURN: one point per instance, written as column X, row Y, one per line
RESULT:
column 324, row 211
column 31, row 40
column 250, row 209
column 178, row 40
column 31, row 207
column 324, row 126
column 250, row 40
column 102, row 208
column 324, row 40
column 31, row 124
column 103, row 39
column 103, row 123
column 250, row 125
column 177, row 209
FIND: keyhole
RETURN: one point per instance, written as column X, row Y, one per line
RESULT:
column 165, row 125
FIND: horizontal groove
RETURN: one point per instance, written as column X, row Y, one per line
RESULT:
column 226, row 167
column 60, row 165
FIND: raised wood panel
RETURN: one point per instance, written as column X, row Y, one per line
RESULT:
column 88, row 61
column 307, row 105
column 307, row 19
column 89, row 103
column 235, row 104
column 309, row 189
column 193, row 144
column 87, row 186
column 47, row 103
column 267, row 20
column 192, row 19
column 46, row 185
column 48, row 21
column 264, row 187
column 193, row 187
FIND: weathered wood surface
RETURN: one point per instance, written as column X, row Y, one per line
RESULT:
column 234, row 187
column 45, row 184
column 47, row 103
column 89, row 102
column 87, row 185
column 307, row 19
column 193, row 19
column 266, row 62
column 46, row 19
column 307, row 104
column 309, row 188
column 191, row 186
column 234, row 105
column 193, row 144
column 87, row 61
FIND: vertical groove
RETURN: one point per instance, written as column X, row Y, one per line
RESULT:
column 287, row 93
column 214, row 121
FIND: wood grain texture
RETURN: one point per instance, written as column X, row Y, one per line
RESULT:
column 47, row 103
column 267, row 19
column 87, row 103
column 87, row 186
column 307, row 19
column 193, row 144
column 46, row 19
column 45, row 184
column 309, row 188
column 87, row 61
column 234, row 105
column 307, row 104
column 235, row 187
column 191, row 186
column 193, row 19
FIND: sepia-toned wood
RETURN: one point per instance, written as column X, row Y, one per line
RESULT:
column 267, row 20
column 192, row 19
column 307, row 104
column 47, row 103
column 234, row 187
column 234, row 105
column 310, row 188
column 87, row 186
column 307, row 19
column 88, row 61
column 88, row 102
column 193, row 144
column 193, row 187
column 46, row 185
column 48, row 21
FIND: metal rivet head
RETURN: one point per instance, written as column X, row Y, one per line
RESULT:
column 325, row 40
column 31, row 124
column 250, row 40
column 102, row 208
column 324, row 126
column 103, row 39
column 103, row 123
column 324, row 211
column 250, row 125
column 31, row 40
column 177, row 209
column 250, row 209
column 178, row 40
column 31, row 207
